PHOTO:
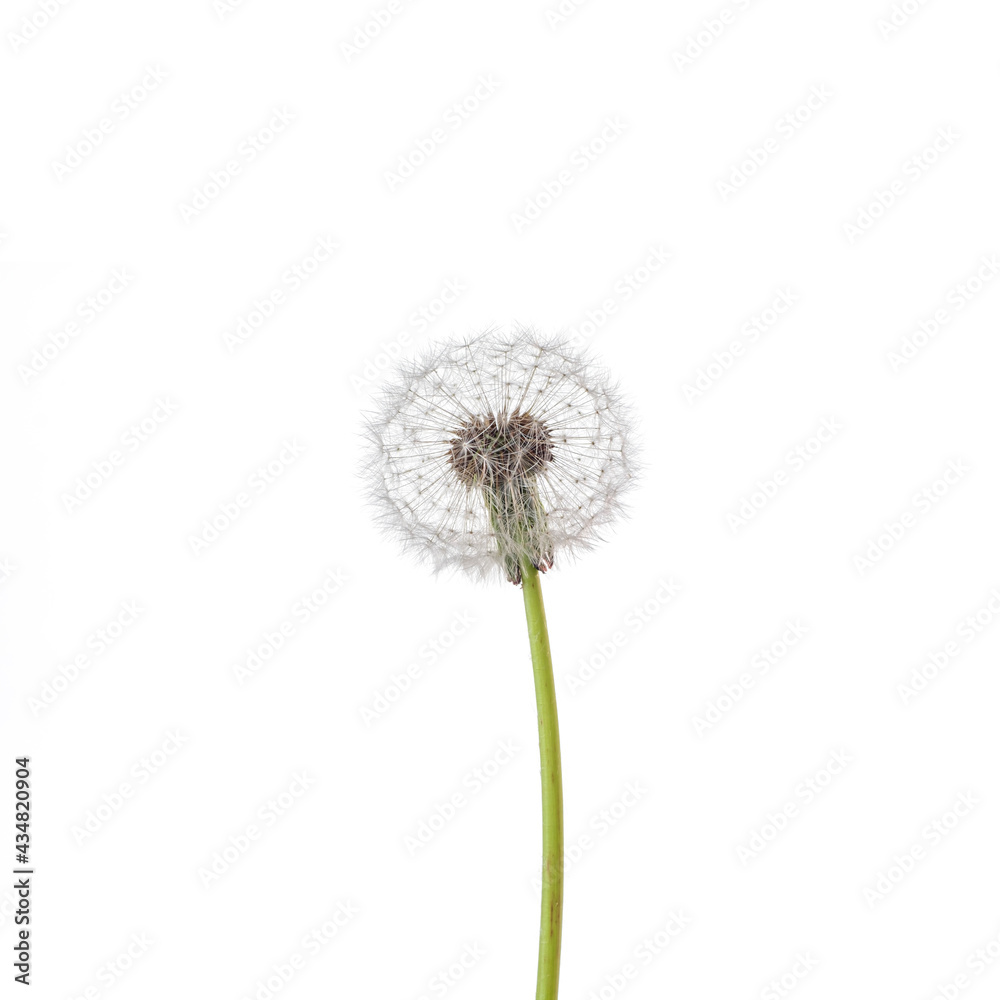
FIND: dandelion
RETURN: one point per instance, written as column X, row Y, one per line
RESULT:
column 502, row 456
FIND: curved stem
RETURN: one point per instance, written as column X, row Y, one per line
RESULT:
column 550, row 935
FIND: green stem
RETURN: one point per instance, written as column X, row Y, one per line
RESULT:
column 550, row 935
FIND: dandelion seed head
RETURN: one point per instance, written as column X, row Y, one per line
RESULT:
column 505, row 446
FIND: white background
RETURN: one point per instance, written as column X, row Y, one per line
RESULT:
column 888, row 93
